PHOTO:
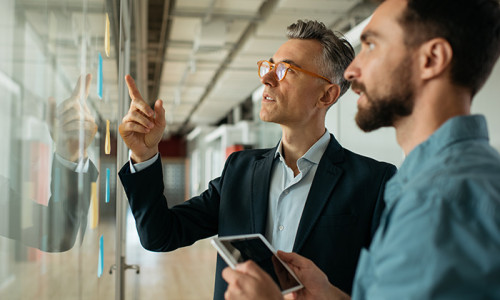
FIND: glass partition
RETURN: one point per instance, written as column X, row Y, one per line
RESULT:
column 58, row 83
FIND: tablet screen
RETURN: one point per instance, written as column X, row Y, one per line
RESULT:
column 254, row 248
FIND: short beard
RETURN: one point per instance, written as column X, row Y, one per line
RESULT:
column 384, row 111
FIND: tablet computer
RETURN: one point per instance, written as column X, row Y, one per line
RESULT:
column 240, row 248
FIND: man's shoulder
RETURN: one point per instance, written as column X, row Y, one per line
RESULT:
column 251, row 154
column 363, row 161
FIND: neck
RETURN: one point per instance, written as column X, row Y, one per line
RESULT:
column 434, row 105
column 297, row 141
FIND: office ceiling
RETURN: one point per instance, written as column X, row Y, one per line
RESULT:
column 212, row 47
column 198, row 56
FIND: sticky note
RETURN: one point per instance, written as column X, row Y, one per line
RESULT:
column 94, row 206
column 107, row 144
column 108, row 172
column 106, row 36
column 100, row 262
column 99, row 77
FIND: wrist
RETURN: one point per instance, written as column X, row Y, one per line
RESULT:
column 71, row 155
column 143, row 156
column 338, row 293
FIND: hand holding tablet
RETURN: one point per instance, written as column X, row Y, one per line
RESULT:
column 240, row 248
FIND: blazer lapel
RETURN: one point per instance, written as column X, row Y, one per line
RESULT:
column 325, row 180
column 260, row 190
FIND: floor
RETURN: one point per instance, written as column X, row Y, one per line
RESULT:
column 184, row 274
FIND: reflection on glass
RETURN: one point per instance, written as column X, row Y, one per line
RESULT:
column 55, row 224
column 52, row 137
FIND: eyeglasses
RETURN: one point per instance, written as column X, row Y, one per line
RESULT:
column 281, row 69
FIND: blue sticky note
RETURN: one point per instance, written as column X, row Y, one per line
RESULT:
column 99, row 77
column 100, row 263
column 108, row 172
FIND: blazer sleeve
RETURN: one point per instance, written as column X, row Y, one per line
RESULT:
column 165, row 229
column 56, row 225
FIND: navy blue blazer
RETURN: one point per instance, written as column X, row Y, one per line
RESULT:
column 340, row 216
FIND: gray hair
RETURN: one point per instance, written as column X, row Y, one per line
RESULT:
column 337, row 52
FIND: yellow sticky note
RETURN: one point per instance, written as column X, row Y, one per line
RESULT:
column 94, row 206
column 107, row 144
column 106, row 37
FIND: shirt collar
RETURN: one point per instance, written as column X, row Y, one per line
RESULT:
column 314, row 153
column 454, row 130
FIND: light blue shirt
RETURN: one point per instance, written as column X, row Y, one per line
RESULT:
column 439, row 237
column 81, row 167
column 288, row 194
column 137, row 167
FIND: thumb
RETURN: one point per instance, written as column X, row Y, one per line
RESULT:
column 251, row 268
column 159, row 113
column 292, row 258
column 76, row 90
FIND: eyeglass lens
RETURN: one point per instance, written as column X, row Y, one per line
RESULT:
column 280, row 69
column 264, row 68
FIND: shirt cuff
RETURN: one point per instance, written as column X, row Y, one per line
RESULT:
column 142, row 165
column 81, row 167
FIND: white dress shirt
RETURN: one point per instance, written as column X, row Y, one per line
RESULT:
column 288, row 194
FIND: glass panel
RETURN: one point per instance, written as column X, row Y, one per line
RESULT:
column 57, row 208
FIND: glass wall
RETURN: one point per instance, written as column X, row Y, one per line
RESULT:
column 58, row 83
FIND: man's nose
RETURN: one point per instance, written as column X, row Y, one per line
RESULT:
column 352, row 72
column 270, row 78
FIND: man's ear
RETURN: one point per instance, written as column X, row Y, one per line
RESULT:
column 435, row 58
column 330, row 95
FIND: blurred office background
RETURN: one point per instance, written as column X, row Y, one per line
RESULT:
column 65, row 230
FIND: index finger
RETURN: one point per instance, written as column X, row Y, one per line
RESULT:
column 134, row 93
column 76, row 90
column 88, row 80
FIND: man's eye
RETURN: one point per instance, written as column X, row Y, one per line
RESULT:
column 371, row 46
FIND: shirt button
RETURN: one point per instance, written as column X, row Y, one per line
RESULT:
column 281, row 227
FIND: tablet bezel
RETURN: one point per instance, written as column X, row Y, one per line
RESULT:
column 232, row 261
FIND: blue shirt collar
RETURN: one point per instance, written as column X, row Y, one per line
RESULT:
column 314, row 153
column 454, row 130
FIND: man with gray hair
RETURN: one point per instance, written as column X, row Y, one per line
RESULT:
column 308, row 194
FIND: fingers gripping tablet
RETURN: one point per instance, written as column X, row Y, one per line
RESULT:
column 240, row 248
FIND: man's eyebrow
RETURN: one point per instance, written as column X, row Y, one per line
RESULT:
column 288, row 61
column 367, row 34
column 291, row 62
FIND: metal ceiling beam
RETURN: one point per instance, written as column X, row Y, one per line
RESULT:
column 221, row 15
column 69, row 7
column 264, row 13
column 140, row 46
column 158, row 35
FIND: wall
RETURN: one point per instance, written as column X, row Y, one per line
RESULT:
column 381, row 144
